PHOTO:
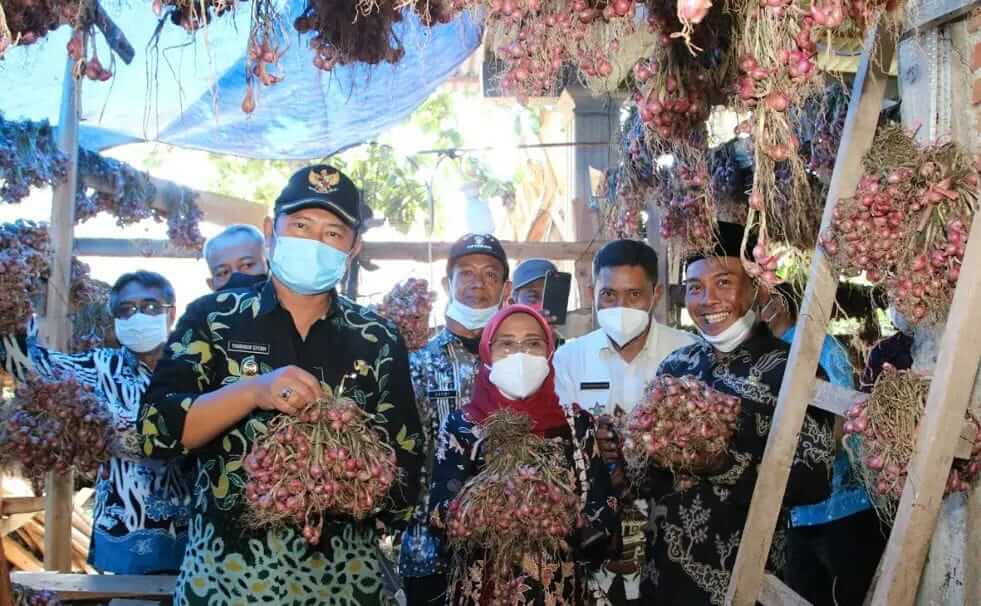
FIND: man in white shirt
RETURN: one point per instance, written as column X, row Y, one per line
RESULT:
column 606, row 372
column 611, row 366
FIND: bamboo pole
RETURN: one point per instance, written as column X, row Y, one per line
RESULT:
column 947, row 401
column 799, row 378
column 59, row 487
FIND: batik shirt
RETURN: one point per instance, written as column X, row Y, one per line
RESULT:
column 142, row 506
column 698, row 521
column 459, row 457
column 443, row 374
column 234, row 335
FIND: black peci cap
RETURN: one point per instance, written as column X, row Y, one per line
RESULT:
column 322, row 186
column 477, row 244
column 728, row 244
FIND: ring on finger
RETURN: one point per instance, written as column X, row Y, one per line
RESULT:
column 286, row 393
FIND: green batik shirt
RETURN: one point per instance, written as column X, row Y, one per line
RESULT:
column 231, row 336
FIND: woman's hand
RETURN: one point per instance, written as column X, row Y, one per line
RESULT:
column 286, row 389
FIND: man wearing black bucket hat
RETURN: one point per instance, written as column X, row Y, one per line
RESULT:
column 241, row 359
column 698, row 519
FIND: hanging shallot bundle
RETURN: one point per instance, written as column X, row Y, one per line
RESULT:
column 682, row 425
column 25, row 253
column 687, row 202
column 522, row 502
column 409, row 306
column 55, row 425
column 347, row 32
column 881, row 435
column 329, row 460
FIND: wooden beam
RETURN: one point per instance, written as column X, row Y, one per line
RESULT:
column 14, row 523
column 20, row 557
column 12, row 505
column 799, row 378
column 931, row 13
column 373, row 251
column 57, row 326
column 774, row 592
column 6, row 591
column 98, row 587
column 972, row 548
column 947, row 402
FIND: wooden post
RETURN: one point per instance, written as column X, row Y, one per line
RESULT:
column 799, row 379
column 57, row 327
column 6, row 591
column 950, row 392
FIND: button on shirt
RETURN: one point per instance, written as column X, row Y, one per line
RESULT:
column 590, row 372
column 232, row 336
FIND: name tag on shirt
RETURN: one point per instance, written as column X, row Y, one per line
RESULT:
column 594, row 385
column 442, row 393
column 252, row 348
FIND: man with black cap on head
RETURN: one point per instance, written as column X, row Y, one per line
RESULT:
column 242, row 358
column 698, row 517
column 443, row 374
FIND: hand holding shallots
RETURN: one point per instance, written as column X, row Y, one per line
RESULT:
column 682, row 425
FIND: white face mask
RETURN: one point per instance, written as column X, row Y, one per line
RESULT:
column 734, row 336
column 471, row 318
column 142, row 332
column 623, row 324
column 519, row 375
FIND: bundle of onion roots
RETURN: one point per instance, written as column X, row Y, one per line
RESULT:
column 523, row 502
column 682, row 425
column 409, row 306
column 906, row 226
column 329, row 460
column 881, row 434
column 348, row 32
column 55, row 425
column 27, row 21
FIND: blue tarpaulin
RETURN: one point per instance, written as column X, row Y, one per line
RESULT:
column 187, row 89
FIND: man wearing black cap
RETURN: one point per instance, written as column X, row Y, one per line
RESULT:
column 698, row 518
column 241, row 359
column 443, row 373
column 529, row 281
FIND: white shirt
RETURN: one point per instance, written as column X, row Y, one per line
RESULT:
column 591, row 373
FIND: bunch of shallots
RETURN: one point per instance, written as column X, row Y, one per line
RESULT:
column 906, row 226
column 28, row 158
column 55, row 425
column 522, row 502
column 684, row 195
column 682, row 424
column 409, row 306
column 887, row 424
column 25, row 253
column 329, row 460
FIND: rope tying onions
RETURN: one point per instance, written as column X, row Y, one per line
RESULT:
column 522, row 502
column 328, row 460
column 682, row 424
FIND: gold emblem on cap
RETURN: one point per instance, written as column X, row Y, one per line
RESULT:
column 324, row 181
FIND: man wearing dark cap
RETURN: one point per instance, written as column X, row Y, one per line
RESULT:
column 529, row 281
column 443, row 374
column 698, row 517
column 241, row 359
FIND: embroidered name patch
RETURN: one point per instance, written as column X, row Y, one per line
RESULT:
column 442, row 393
column 595, row 385
column 252, row 348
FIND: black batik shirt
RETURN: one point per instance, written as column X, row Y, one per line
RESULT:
column 228, row 337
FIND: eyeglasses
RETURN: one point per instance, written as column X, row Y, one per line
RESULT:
column 534, row 346
column 150, row 308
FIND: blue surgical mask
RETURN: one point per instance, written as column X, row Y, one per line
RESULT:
column 307, row 267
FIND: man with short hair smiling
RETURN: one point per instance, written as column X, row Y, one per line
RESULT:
column 240, row 359
column 236, row 258
column 443, row 374
column 698, row 517
column 606, row 372
column 142, row 507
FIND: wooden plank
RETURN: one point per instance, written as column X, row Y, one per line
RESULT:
column 373, row 251
column 799, row 378
column 114, row 36
column 93, row 587
column 6, row 591
column 20, row 557
column 12, row 505
column 57, row 326
column 972, row 548
column 932, row 13
column 774, row 592
column 947, row 401
column 82, row 497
